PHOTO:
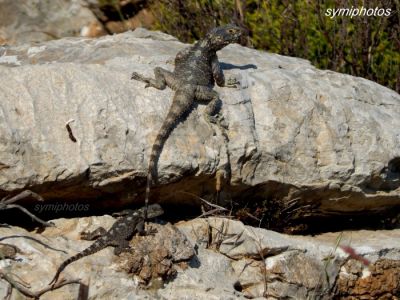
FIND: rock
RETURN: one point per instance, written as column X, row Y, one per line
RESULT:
column 232, row 261
column 315, row 142
column 381, row 281
column 106, row 274
column 143, row 18
column 37, row 21
column 263, row 263
column 121, row 16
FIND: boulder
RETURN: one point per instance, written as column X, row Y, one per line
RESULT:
column 37, row 21
column 317, row 142
column 232, row 261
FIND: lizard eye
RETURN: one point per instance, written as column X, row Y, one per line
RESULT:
column 231, row 31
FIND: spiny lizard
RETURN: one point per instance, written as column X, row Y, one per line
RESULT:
column 196, row 70
column 118, row 236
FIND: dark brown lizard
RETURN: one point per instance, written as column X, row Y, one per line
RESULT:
column 118, row 236
column 196, row 70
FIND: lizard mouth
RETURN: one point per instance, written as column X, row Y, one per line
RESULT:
column 240, row 37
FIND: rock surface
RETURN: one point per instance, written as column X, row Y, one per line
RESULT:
column 36, row 21
column 317, row 141
column 232, row 261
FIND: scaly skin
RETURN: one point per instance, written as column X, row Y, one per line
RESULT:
column 118, row 236
column 196, row 70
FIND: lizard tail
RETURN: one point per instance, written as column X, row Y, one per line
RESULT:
column 90, row 250
column 62, row 267
column 155, row 152
column 179, row 106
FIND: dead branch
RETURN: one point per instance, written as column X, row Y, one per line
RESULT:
column 33, row 239
column 24, row 194
column 219, row 208
column 7, row 203
column 35, row 295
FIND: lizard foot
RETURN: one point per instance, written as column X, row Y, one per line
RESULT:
column 210, row 120
column 149, row 82
column 232, row 82
column 137, row 76
column 221, row 122
column 213, row 119
column 150, row 230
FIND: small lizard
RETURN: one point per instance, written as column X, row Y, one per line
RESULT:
column 196, row 70
column 123, row 229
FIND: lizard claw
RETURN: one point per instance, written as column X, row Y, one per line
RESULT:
column 232, row 82
column 222, row 123
column 218, row 118
column 151, row 231
column 212, row 119
column 135, row 76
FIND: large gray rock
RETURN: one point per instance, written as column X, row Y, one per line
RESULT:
column 296, row 133
column 35, row 21
column 263, row 263
column 232, row 261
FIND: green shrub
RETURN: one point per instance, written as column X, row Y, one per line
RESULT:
column 366, row 46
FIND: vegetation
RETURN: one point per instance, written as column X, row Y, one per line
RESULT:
column 366, row 46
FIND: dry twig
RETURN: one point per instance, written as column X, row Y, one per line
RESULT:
column 216, row 207
column 33, row 239
column 7, row 203
column 23, row 289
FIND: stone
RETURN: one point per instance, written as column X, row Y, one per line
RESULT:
column 263, row 263
column 231, row 261
column 316, row 142
column 37, row 21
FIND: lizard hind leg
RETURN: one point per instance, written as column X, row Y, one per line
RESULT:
column 121, row 246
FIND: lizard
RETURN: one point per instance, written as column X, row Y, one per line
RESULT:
column 131, row 222
column 196, row 71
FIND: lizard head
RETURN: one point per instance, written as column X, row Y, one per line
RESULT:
column 222, row 36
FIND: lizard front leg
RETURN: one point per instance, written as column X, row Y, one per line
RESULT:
column 163, row 78
column 93, row 235
column 219, row 75
column 206, row 94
